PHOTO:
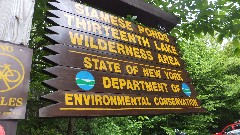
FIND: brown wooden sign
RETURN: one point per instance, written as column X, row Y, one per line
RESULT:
column 101, row 104
column 71, row 79
column 111, row 47
column 98, row 27
column 123, row 36
column 107, row 65
column 109, row 19
column 137, row 8
column 87, row 59
column 15, row 65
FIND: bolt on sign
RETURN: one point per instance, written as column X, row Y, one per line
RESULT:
column 109, row 66
column 15, row 65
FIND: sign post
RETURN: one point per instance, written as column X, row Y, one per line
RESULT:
column 8, row 127
column 109, row 66
column 15, row 62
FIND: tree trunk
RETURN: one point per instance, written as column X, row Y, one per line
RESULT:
column 10, row 126
column 71, row 123
column 87, row 128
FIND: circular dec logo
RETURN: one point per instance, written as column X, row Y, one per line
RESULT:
column 11, row 72
column 186, row 89
column 85, row 80
column 2, row 132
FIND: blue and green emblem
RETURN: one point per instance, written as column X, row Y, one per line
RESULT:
column 85, row 80
column 186, row 89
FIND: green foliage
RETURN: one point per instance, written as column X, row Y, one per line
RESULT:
column 216, row 77
column 219, row 18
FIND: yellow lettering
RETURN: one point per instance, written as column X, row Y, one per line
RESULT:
column 70, row 18
column 94, row 14
column 121, row 100
column 168, row 60
column 104, row 17
column 97, row 28
column 117, row 67
column 68, row 99
column 121, row 23
column 107, row 82
column 79, row 9
column 115, row 33
column 173, row 76
column 102, row 66
column 78, row 99
column 151, row 73
column 92, row 45
column 113, row 20
column 145, row 42
column 6, row 48
column 87, row 63
column 3, row 101
column 113, row 100
column 106, row 100
column 106, row 30
column 129, row 25
column 122, row 83
column 81, row 23
column 136, row 52
column 131, row 38
column 98, row 100
column 121, row 49
column 19, row 102
column 143, row 54
column 129, row 50
column 76, row 39
column 112, row 47
column 12, row 101
column 165, row 36
column 127, row 100
column 102, row 44
column 136, row 85
column 149, row 54
column 129, row 85
column 133, row 100
column 140, row 29
column 115, row 83
column 86, row 99
column 123, row 35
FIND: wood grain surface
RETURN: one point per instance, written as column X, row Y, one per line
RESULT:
column 63, row 38
column 112, row 83
column 70, row 8
column 16, row 20
column 74, row 57
column 154, row 105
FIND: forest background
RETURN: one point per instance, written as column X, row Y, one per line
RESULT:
column 208, row 37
